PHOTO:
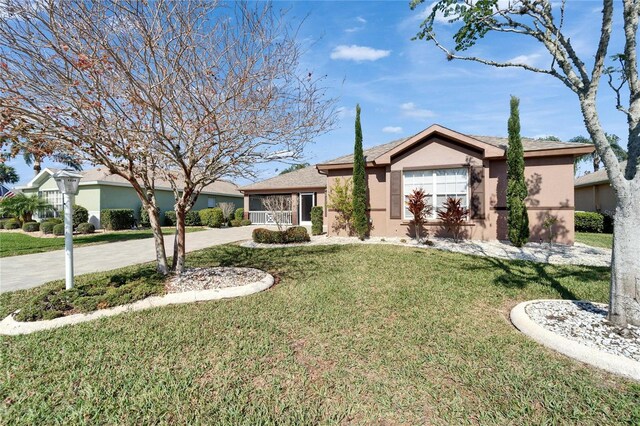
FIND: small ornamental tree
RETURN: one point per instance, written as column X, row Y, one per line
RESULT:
column 360, row 220
column 420, row 210
column 453, row 216
column 340, row 200
column 277, row 206
column 517, row 217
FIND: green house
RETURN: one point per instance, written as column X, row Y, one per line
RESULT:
column 101, row 190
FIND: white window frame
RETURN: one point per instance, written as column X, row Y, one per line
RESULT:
column 434, row 192
column 53, row 197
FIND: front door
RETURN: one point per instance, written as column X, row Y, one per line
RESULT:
column 307, row 201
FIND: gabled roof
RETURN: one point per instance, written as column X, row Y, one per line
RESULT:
column 102, row 176
column 309, row 177
column 595, row 178
column 491, row 146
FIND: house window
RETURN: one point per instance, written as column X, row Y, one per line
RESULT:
column 211, row 202
column 53, row 197
column 438, row 185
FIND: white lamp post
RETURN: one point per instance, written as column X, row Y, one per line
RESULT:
column 68, row 182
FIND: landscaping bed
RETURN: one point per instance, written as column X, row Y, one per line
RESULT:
column 362, row 334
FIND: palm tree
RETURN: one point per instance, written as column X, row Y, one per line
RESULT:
column 595, row 159
column 33, row 158
column 22, row 207
column 8, row 174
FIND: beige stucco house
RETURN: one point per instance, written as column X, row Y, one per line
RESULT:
column 444, row 163
column 593, row 192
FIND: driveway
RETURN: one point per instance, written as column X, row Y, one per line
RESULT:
column 32, row 270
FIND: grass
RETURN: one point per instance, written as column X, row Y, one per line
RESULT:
column 16, row 243
column 349, row 334
column 595, row 240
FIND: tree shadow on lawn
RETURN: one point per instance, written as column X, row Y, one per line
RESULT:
column 294, row 262
column 521, row 274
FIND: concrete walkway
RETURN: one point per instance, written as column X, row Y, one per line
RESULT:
column 32, row 270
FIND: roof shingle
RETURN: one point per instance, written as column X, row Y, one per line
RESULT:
column 596, row 177
column 309, row 177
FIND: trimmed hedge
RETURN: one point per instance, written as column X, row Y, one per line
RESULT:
column 58, row 229
column 589, row 222
column 12, row 224
column 192, row 218
column 239, row 214
column 86, row 228
column 317, row 214
column 54, row 220
column 46, row 227
column 235, row 223
column 2, row 222
column 295, row 234
column 116, row 219
column 245, row 222
column 213, row 218
column 144, row 217
column 80, row 215
column 31, row 227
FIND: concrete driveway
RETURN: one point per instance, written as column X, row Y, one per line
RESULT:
column 32, row 270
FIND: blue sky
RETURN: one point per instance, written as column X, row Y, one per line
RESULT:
column 404, row 86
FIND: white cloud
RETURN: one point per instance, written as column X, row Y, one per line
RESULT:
column 353, row 30
column 361, row 19
column 345, row 112
column 392, row 129
column 358, row 53
column 411, row 110
column 526, row 59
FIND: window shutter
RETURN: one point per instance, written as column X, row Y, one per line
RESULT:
column 396, row 194
column 476, row 204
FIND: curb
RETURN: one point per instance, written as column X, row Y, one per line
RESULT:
column 10, row 327
column 616, row 364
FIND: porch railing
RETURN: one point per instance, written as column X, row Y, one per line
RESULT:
column 267, row 218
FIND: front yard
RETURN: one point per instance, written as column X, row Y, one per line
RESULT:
column 19, row 243
column 350, row 334
column 595, row 240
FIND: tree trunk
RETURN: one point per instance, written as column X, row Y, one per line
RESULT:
column 624, row 307
column 158, row 239
column 179, row 246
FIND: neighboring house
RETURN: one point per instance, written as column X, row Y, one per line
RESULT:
column 593, row 192
column 101, row 190
column 444, row 163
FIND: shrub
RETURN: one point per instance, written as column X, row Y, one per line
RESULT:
column 317, row 214
column 58, row 229
column 420, row 209
column 295, row 234
column 31, row 227
column 12, row 224
column 245, row 222
column 608, row 223
column 589, row 222
column 213, row 218
column 227, row 210
column 115, row 219
column 239, row 214
column 235, row 223
column 192, row 218
column 2, row 222
column 170, row 218
column 80, row 215
column 86, row 228
column 340, row 200
column 453, row 216
column 54, row 220
column 46, row 227
column 144, row 217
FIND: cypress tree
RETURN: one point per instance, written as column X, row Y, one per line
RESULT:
column 360, row 220
column 517, row 219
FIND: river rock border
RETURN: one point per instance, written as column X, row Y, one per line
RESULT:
column 616, row 364
column 10, row 327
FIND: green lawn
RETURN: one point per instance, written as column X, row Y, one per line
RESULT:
column 16, row 243
column 349, row 334
column 595, row 240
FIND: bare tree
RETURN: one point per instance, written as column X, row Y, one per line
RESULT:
column 227, row 210
column 278, row 206
column 186, row 92
column 542, row 22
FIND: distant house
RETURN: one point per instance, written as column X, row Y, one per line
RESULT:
column 593, row 192
column 445, row 163
column 101, row 190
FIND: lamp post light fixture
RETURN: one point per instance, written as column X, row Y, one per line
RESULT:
column 68, row 182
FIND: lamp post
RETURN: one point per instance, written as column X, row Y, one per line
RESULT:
column 68, row 182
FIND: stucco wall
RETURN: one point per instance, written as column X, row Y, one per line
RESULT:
column 595, row 198
column 549, row 179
